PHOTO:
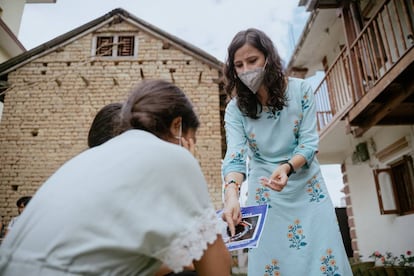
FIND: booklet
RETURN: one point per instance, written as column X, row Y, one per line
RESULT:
column 249, row 230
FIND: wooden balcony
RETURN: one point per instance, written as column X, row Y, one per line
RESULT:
column 371, row 82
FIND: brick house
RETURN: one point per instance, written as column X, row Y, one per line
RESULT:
column 54, row 90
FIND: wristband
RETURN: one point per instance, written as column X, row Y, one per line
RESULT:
column 292, row 169
column 232, row 182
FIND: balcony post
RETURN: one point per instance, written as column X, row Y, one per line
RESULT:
column 350, row 36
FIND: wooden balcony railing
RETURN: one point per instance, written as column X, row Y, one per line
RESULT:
column 386, row 37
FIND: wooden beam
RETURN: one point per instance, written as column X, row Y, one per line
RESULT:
column 401, row 94
column 381, row 85
column 298, row 72
column 327, row 4
column 398, row 145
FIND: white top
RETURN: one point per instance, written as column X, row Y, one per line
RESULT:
column 12, row 222
column 121, row 208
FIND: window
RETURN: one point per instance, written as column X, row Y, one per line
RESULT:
column 115, row 46
column 395, row 187
column 104, row 46
column 126, row 46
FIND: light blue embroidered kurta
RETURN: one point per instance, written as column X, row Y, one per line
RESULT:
column 301, row 234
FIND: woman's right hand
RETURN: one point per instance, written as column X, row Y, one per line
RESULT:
column 231, row 212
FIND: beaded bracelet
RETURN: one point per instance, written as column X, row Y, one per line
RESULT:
column 232, row 182
column 292, row 169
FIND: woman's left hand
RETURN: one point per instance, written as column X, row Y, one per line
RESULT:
column 278, row 179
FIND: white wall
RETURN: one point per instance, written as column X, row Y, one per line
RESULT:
column 375, row 231
column 12, row 13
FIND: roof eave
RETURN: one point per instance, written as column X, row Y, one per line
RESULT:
column 9, row 42
column 27, row 56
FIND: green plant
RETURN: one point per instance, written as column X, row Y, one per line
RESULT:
column 406, row 259
column 376, row 255
column 388, row 259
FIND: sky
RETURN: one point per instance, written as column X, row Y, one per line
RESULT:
column 207, row 24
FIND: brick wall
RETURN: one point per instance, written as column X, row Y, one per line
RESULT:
column 54, row 97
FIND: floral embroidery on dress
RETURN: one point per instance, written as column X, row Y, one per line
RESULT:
column 305, row 102
column 314, row 189
column 296, row 126
column 296, row 236
column 270, row 113
column 253, row 145
column 329, row 266
column 262, row 196
column 237, row 157
column 272, row 269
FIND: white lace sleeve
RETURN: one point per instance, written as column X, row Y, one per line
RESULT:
column 190, row 244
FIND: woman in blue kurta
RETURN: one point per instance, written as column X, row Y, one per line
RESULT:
column 271, row 121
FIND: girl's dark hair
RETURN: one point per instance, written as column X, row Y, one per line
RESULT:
column 152, row 106
column 104, row 124
column 275, row 79
column 24, row 200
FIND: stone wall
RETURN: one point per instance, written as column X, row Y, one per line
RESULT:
column 53, row 98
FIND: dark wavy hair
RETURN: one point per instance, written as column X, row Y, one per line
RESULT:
column 104, row 124
column 275, row 79
column 153, row 104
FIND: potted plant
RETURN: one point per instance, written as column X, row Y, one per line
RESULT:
column 406, row 259
column 391, row 265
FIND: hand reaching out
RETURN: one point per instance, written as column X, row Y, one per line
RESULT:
column 232, row 214
column 278, row 179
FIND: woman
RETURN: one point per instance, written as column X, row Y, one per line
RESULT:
column 104, row 124
column 271, row 121
column 126, row 206
column 103, row 128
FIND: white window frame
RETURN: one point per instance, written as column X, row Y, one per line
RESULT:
column 115, row 46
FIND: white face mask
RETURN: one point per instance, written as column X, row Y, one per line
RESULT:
column 180, row 133
column 253, row 79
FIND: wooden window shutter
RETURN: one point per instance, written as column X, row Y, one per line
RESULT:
column 385, row 185
column 126, row 46
column 104, row 45
column 403, row 173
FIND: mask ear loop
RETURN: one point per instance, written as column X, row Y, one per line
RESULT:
column 180, row 133
column 264, row 66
